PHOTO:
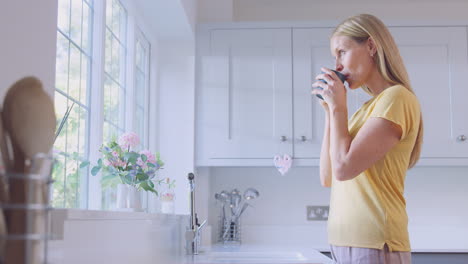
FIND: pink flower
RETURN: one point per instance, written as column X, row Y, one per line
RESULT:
column 149, row 158
column 118, row 163
column 115, row 154
column 129, row 139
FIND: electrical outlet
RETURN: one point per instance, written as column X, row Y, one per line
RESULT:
column 317, row 213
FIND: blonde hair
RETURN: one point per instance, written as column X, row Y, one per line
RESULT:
column 388, row 60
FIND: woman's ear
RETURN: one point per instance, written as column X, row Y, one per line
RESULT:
column 371, row 46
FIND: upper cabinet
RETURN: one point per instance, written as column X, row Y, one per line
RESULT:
column 245, row 95
column 254, row 100
column 437, row 62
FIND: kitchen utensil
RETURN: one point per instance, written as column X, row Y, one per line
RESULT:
column 29, row 118
column 28, row 114
column 4, row 140
column 241, row 211
column 235, row 200
column 251, row 193
column 5, row 163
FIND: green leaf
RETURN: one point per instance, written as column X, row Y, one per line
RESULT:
column 144, row 185
column 95, row 170
column 84, row 164
column 150, row 165
column 126, row 179
column 142, row 176
column 131, row 157
column 99, row 162
column 144, row 158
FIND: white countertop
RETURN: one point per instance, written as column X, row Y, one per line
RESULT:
column 255, row 254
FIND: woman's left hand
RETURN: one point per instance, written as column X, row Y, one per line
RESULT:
column 334, row 91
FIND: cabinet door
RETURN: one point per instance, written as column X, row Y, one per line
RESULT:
column 311, row 51
column 246, row 88
column 437, row 62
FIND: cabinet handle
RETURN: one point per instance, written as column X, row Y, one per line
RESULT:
column 284, row 139
column 461, row 138
column 303, row 138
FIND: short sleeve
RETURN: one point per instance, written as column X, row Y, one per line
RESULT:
column 400, row 106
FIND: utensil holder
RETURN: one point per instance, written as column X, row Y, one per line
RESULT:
column 230, row 231
column 33, row 242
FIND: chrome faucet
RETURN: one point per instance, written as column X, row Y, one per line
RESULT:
column 192, row 235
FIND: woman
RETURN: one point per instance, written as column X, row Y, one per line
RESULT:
column 365, row 161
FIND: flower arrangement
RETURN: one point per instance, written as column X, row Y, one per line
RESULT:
column 121, row 164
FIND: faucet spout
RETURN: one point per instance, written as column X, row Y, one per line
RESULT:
column 192, row 235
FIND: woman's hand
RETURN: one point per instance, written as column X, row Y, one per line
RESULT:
column 334, row 91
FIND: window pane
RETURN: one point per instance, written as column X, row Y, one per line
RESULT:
column 108, row 52
column 58, row 187
column 74, row 77
column 63, row 18
column 72, row 181
column 115, row 59
column 73, row 67
column 86, row 34
column 84, row 79
column 139, row 56
column 112, row 101
column 61, row 65
column 140, row 86
column 76, row 18
column 114, row 90
column 140, row 125
column 60, row 109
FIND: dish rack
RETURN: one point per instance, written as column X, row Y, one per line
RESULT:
column 32, row 244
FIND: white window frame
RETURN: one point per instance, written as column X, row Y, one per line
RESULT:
column 83, row 196
column 97, row 92
column 146, row 71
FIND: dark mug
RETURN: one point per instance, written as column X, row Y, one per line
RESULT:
column 339, row 74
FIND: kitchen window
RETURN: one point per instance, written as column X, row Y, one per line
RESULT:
column 142, row 55
column 115, row 70
column 72, row 85
column 105, row 84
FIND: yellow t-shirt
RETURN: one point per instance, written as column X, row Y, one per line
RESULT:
column 370, row 210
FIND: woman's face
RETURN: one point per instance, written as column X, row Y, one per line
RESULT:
column 353, row 59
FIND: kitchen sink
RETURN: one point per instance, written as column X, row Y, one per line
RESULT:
column 264, row 256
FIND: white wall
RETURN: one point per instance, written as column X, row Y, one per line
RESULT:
column 177, row 115
column 28, row 30
column 436, row 203
column 298, row 10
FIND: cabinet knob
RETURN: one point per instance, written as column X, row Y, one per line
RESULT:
column 284, row 139
column 303, row 138
column 461, row 138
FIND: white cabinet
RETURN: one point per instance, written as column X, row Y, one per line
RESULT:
column 437, row 62
column 253, row 92
column 245, row 96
